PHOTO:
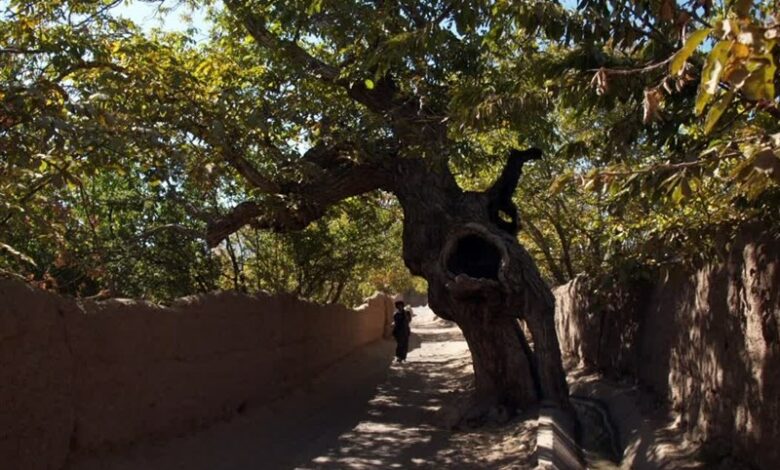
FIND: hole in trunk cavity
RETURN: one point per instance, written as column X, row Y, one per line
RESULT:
column 475, row 257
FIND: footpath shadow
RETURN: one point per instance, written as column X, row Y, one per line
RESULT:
column 415, row 341
column 277, row 435
column 407, row 422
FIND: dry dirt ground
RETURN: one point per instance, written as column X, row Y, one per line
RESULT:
column 363, row 413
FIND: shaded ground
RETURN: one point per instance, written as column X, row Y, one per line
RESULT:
column 646, row 434
column 362, row 413
column 369, row 413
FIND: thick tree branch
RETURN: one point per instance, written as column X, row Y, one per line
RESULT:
column 505, row 185
column 503, row 211
column 297, row 204
column 220, row 140
column 235, row 158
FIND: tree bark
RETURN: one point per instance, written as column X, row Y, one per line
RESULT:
column 481, row 278
column 501, row 370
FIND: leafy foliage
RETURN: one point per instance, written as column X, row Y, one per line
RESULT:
column 659, row 122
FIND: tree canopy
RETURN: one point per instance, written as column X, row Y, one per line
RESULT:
column 149, row 163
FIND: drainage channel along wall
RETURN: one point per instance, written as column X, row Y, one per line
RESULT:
column 706, row 341
column 81, row 377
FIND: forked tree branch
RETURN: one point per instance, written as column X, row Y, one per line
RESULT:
column 503, row 188
column 218, row 139
column 405, row 113
column 297, row 204
column 502, row 210
column 341, row 171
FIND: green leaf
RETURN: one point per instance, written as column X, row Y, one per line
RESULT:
column 693, row 42
column 716, row 111
column 314, row 7
column 759, row 85
column 677, row 195
column 369, row 84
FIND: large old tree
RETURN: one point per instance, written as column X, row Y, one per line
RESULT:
column 464, row 243
column 121, row 148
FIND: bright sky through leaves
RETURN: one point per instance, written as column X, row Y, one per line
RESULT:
column 178, row 18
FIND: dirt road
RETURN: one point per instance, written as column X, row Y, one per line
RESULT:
column 363, row 413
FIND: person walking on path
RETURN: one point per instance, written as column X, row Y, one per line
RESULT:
column 401, row 330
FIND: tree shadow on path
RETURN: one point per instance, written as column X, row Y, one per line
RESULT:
column 406, row 423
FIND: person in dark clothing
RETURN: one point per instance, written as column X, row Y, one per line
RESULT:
column 401, row 330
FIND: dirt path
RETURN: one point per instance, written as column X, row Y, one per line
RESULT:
column 363, row 413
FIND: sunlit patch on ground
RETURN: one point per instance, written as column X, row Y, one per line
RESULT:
column 408, row 422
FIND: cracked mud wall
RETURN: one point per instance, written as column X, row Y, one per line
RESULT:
column 91, row 376
column 706, row 341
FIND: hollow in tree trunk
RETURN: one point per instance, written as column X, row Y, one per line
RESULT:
column 482, row 279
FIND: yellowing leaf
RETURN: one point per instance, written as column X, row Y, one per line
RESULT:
column 759, row 85
column 710, row 75
column 736, row 75
column 677, row 195
column 651, row 104
column 593, row 184
column 767, row 162
column 559, row 183
column 694, row 40
column 369, row 84
column 716, row 111
column 740, row 51
column 712, row 82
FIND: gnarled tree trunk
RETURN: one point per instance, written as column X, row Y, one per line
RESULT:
column 481, row 278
